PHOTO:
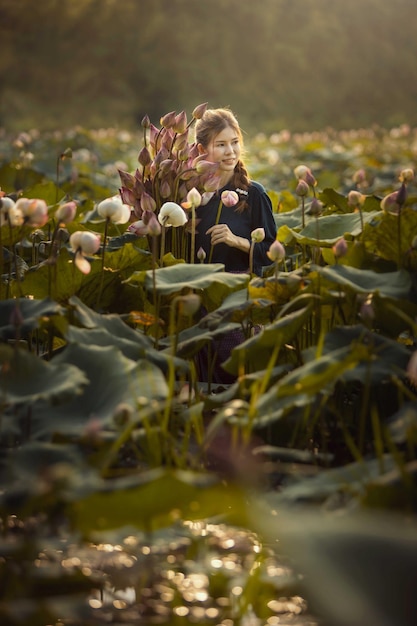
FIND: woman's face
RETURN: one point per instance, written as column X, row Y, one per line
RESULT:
column 225, row 150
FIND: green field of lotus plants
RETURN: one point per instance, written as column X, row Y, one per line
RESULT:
column 131, row 491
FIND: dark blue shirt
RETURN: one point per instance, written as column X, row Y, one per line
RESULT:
column 258, row 214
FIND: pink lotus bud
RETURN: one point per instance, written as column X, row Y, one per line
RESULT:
column 359, row 178
column 229, row 198
column 257, row 235
column 201, row 255
column 302, row 188
column 147, row 202
column 412, row 368
column 355, row 198
column 154, row 227
column 276, row 251
column 407, row 175
column 180, row 123
column 316, row 207
column 35, row 212
column 65, row 214
column 168, row 120
column 390, row 204
column 144, row 157
column 199, row 111
column 138, row 228
column 304, row 173
column 193, row 199
column 211, row 183
column 340, row 248
column 165, row 189
column 127, row 179
column 181, row 141
column 206, row 167
column 146, row 122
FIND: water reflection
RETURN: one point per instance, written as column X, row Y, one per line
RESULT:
column 197, row 572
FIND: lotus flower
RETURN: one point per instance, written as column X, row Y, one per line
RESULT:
column 171, row 214
column 84, row 243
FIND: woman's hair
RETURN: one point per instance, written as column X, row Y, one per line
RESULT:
column 208, row 127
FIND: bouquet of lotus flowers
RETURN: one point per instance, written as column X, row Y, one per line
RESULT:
column 172, row 179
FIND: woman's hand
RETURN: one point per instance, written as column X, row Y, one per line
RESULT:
column 221, row 233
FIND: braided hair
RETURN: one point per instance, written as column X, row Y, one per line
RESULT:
column 209, row 126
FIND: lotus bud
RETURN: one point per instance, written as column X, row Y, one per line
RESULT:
column 257, row 235
column 168, row 120
column 355, row 199
column 206, row 197
column 153, row 134
column 6, row 206
column 390, row 204
column 165, row 166
column 402, row 194
column 304, row 173
column 144, row 157
column 147, row 202
column 211, row 183
column 367, row 312
column 126, row 179
column 302, row 188
column 171, row 214
column 180, row 123
column 316, row 207
column 359, row 178
column 201, row 255
column 276, row 252
column 199, row 111
column 412, row 368
column 407, row 176
column 181, row 141
column 65, row 214
column 193, row 199
column 154, row 227
column 189, row 304
column 35, row 212
column 206, row 167
column 229, row 198
column 340, row 248
column 114, row 210
column 146, row 122
column 138, row 228
column 165, row 189
column 184, row 153
column 82, row 243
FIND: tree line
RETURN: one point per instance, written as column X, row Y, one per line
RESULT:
column 298, row 64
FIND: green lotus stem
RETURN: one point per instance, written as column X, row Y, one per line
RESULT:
column 100, row 290
column 162, row 250
column 399, row 237
column 219, row 211
column 192, row 254
column 252, row 246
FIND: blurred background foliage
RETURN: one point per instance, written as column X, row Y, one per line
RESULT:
column 297, row 64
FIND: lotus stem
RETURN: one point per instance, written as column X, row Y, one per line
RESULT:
column 219, row 211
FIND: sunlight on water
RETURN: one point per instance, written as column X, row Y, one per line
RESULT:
column 202, row 572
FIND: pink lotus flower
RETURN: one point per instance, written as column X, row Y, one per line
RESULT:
column 35, row 212
column 276, row 252
column 229, row 198
column 84, row 243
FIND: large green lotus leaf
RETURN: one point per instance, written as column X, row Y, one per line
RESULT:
column 112, row 379
column 332, row 198
column 352, row 478
column 191, row 340
column 156, row 498
column 326, row 230
column 381, row 235
column 47, row 191
column 385, row 357
column 112, row 323
column 187, row 276
column 63, row 279
column 13, row 178
column 29, row 312
column 291, row 219
column 255, row 352
column 25, row 378
column 358, row 569
column 391, row 284
column 300, row 387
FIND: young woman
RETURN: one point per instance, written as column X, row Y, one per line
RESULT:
column 224, row 232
